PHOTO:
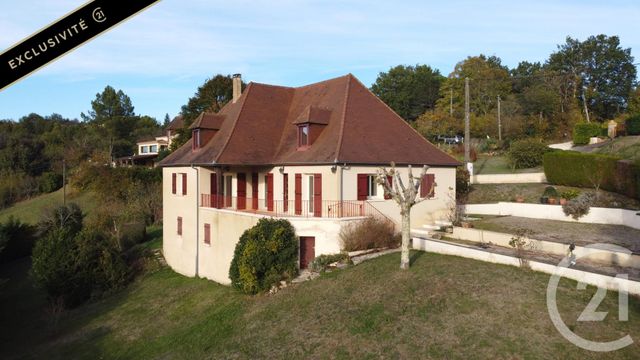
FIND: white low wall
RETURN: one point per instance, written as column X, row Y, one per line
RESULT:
column 521, row 178
column 603, row 281
column 603, row 256
column 596, row 215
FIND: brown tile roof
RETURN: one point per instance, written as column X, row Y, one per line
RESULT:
column 176, row 123
column 207, row 120
column 259, row 129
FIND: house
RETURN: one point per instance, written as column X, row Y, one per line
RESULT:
column 308, row 154
column 148, row 149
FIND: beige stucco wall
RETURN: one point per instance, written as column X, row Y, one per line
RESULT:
column 227, row 225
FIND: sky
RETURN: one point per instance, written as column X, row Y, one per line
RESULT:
column 160, row 56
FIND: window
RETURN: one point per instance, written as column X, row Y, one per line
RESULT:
column 154, row 148
column 174, row 183
column 196, row 139
column 184, row 184
column 303, row 135
column 207, row 234
column 428, row 185
column 266, row 182
column 228, row 190
column 372, row 187
column 144, row 149
column 179, row 225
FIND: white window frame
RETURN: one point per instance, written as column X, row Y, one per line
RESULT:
column 372, row 187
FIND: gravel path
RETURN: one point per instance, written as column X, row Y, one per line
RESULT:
column 566, row 232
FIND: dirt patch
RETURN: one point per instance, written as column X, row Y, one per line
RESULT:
column 565, row 232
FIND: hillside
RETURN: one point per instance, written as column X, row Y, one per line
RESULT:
column 626, row 147
column 443, row 307
column 32, row 209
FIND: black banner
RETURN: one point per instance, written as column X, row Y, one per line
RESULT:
column 65, row 34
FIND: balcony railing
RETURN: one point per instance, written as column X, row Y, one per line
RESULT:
column 285, row 208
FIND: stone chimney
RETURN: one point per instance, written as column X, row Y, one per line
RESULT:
column 237, row 87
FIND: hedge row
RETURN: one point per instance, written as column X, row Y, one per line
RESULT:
column 583, row 131
column 571, row 168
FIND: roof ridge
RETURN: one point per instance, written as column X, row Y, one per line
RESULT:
column 344, row 116
column 235, row 122
column 404, row 122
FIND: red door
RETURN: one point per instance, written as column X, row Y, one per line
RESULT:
column 298, row 195
column 307, row 250
column 254, row 191
column 242, row 191
column 363, row 191
column 214, row 190
column 270, row 192
column 317, row 195
column 285, row 192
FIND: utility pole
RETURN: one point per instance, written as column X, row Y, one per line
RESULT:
column 467, row 135
column 499, row 122
column 64, row 182
column 451, row 101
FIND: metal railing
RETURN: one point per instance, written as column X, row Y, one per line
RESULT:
column 285, row 208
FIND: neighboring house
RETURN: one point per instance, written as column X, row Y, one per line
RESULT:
column 308, row 154
column 148, row 149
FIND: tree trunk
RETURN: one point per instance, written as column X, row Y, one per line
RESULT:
column 406, row 239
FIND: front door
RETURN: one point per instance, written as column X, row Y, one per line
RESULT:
column 307, row 250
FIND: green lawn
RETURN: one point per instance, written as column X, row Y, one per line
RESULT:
column 487, row 164
column 443, row 307
column 31, row 210
column 626, row 147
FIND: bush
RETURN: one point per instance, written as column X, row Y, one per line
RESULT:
column 370, row 233
column 527, row 153
column 632, row 125
column 582, row 132
column 571, row 168
column 578, row 207
column 17, row 239
column 322, row 262
column 49, row 182
column 266, row 254
column 463, row 186
column 570, row 194
column 68, row 217
column 550, row 192
column 132, row 233
column 73, row 267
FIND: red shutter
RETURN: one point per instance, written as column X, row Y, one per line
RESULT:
column 214, row 190
column 207, row 234
column 254, row 190
column 317, row 195
column 184, row 184
column 174, row 180
column 428, row 182
column 179, row 225
column 285, row 192
column 298, row 194
column 387, row 196
column 269, row 192
column 362, row 187
column 242, row 191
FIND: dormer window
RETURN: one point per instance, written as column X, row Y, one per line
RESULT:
column 303, row 136
column 196, row 139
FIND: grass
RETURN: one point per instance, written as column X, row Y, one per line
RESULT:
column 443, row 307
column 487, row 164
column 492, row 193
column 31, row 210
column 626, row 147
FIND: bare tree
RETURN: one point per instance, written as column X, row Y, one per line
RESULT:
column 406, row 197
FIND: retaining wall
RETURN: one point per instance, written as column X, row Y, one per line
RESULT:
column 521, row 178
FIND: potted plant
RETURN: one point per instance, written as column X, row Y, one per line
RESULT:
column 550, row 194
column 568, row 195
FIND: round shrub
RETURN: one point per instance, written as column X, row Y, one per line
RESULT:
column 527, row 153
column 266, row 254
column 49, row 182
column 632, row 125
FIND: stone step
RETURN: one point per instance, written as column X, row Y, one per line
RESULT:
column 431, row 227
column 421, row 233
column 443, row 222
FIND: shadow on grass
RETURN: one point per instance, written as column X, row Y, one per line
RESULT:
column 415, row 255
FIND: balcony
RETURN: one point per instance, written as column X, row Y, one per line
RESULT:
column 291, row 208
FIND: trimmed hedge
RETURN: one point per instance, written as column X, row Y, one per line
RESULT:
column 632, row 125
column 583, row 131
column 571, row 168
